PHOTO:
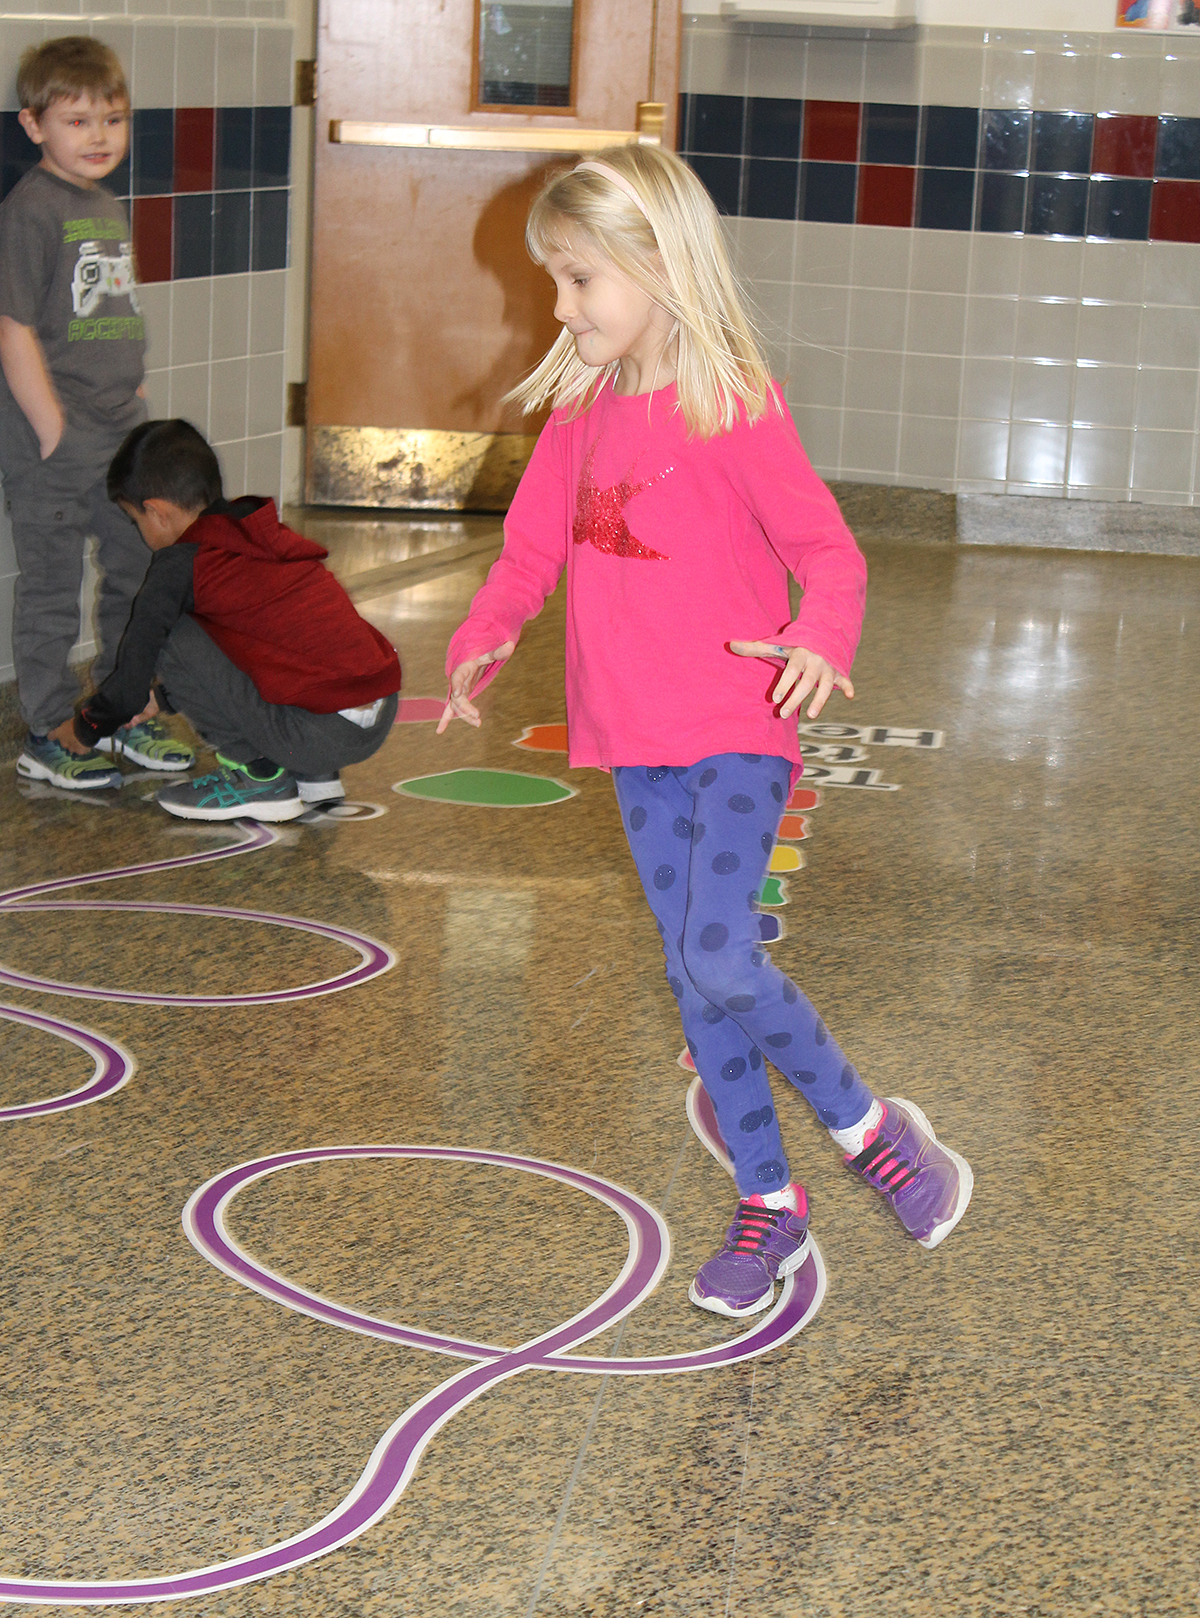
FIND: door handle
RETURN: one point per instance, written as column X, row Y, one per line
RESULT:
column 477, row 138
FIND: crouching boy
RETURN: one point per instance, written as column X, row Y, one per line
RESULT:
column 239, row 626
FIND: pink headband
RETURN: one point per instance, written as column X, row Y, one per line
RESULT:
column 619, row 180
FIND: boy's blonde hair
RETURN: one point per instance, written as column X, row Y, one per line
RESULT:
column 64, row 69
column 674, row 252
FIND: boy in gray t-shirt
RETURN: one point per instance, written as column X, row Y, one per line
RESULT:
column 72, row 346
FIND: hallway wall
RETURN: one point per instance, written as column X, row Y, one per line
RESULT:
column 976, row 252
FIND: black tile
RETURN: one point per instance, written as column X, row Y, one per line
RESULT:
column 120, row 181
column 717, row 124
column 270, row 232
column 890, row 133
column 153, row 144
column 1057, row 205
column 272, row 145
column 683, row 135
column 773, row 127
column 1178, row 156
column 1006, row 140
column 722, row 176
column 1002, row 202
column 235, row 148
column 772, row 187
column 1119, row 208
column 231, row 232
column 827, row 192
column 20, row 154
column 951, row 137
column 1062, row 142
column 946, row 199
column 192, row 233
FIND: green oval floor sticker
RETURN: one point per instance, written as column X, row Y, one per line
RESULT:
column 489, row 789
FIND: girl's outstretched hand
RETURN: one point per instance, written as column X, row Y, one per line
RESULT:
column 805, row 672
column 462, row 683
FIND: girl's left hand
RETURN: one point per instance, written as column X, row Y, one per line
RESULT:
column 805, row 671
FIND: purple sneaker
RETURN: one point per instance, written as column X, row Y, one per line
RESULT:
column 927, row 1184
column 761, row 1244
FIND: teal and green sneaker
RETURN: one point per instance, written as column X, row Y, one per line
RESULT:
column 43, row 759
column 149, row 745
column 233, row 793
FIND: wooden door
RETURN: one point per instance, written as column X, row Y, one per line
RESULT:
column 425, row 308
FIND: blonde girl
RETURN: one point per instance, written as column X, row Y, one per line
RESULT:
column 672, row 487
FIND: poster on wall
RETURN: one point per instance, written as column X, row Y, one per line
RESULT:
column 1169, row 14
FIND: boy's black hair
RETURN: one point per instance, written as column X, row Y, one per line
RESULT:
column 165, row 460
column 62, row 69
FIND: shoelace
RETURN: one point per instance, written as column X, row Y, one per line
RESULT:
column 752, row 1226
column 879, row 1163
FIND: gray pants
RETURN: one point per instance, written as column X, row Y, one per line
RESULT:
column 225, row 707
column 55, row 504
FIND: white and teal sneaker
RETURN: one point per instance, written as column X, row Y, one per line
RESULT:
column 150, row 745
column 43, row 759
column 233, row 793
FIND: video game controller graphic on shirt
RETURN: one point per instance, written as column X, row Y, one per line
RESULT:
column 99, row 275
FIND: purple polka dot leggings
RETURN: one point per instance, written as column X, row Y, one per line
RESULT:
column 701, row 836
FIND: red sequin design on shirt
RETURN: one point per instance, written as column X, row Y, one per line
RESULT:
column 600, row 514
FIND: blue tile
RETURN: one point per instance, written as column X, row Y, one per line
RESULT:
column 1057, row 205
column 231, row 232
column 1120, row 209
column 272, row 145
column 946, row 199
column 192, row 234
column 951, row 137
column 120, row 181
column 1002, row 202
column 1006, row 139
column 1178, row 155
column 773, row 127
column 1062, row 142
column 20, row 154
column 153, row 151
column 722, row 177
column 827, row 192
column 235, row 148
column 270, row 233
column 890, row 133
column 772, row 186
column 717, row 124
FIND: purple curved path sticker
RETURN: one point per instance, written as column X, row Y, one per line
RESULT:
column 395, row 1457
column 374, row 957
column 114, row 1065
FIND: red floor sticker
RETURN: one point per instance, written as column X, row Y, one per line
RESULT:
column 543, row 738
column 419, row 710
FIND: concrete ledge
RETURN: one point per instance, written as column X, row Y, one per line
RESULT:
column 1078, row 525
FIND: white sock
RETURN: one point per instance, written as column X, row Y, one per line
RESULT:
column 782, row 1199
column 854, row 1138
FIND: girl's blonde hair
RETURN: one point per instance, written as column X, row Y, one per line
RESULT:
column 674, row 252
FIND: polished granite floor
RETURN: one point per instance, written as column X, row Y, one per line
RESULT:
column 1009, row 1425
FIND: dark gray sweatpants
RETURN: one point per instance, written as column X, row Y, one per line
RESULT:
column 225, row 707
column 55, row 504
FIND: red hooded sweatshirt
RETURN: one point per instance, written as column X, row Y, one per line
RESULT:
column 262, row 594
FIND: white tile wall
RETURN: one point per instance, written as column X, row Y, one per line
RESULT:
column 964, row 360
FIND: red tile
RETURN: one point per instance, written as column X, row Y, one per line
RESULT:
column 831, row 131
column 152, row 238
column 1175, row 211
column 885, row 194
column 193, row 148
column 1124, row 144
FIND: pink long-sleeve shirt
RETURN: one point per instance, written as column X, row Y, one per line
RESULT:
column 673, row 547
